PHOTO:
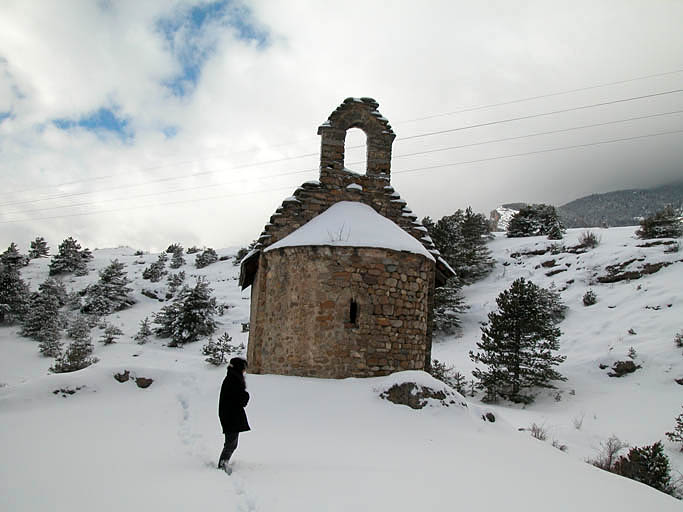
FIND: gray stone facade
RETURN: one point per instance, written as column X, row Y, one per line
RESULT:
column 302, row 297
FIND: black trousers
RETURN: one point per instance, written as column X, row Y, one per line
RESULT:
column 228, row 448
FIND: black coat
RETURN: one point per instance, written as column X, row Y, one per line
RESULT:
column 233, row 400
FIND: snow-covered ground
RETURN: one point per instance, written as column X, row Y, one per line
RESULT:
column 336, row 445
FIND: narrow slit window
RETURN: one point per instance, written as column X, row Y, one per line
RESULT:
column 353, row 312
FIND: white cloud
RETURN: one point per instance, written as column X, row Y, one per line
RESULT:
column 415, row 58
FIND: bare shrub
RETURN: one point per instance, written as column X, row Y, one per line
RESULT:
column 589, row 298
column 578, row 421
column 538, row 432
column 559, row 446
column 589, row 239
column 608, row 453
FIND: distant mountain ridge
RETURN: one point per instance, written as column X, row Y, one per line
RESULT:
column 619, row 208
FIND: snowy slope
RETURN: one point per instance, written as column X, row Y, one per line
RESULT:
column 323, row 444
column 638, row 408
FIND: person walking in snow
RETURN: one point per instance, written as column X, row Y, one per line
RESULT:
column 233, row 399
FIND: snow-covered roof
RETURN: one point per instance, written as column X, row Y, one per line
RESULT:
column 352, row 224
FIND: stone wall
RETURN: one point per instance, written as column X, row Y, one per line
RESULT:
column 339, row 184
column 301, row 308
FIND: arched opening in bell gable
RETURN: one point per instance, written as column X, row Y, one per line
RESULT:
column 356, row 150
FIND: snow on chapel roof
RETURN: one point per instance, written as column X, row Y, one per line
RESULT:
column 352, row 224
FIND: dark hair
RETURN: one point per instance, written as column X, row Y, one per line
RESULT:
column 238, row 364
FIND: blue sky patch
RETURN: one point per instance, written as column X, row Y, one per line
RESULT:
column 170, row 131
column 188, row 34
column 102, row 120
column 4, row 115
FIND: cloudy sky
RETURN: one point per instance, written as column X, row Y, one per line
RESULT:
column 143, row 123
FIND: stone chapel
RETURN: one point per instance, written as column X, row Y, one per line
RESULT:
column 343, row 276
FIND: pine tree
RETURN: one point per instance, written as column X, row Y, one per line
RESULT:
column 79, row 329
column 174, row 248
column 647, row 464
column 474, row 261
column 243, row 252
column 156, row 270
column 43, row 321
column 78, row 355
column 190, row 315
column 50, row 347
column 676, row 435
column 206, row 258
column 666, row 223
column 70, row 259
column 175, row 280
column 461, row 239
column 110, row 293
column 39, row 248
column 219, row 351
column 552, row 303
column 177, row 260
column 144, row 333
column 517, row 345
column 111, row 332
column 535, row 220
column 12, row 258
column 14, row 295
column 449, row 303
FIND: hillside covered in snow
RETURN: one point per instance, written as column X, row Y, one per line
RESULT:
column 85, row 441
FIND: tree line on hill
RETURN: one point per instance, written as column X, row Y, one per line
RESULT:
column 50, row 312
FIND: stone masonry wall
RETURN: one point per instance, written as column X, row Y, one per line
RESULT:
column 300, row 316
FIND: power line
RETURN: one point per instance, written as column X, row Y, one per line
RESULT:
column 576, row 146
column 417, row 169
column 533, row 116
column 433, row 116
column 395, row 157
column 540, row 96
column 257, row 164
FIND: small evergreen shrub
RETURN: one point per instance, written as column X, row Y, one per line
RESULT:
column 192, row 250
column 678, row 339
column 14, row 295
column 589, row 298
column 666, row 223
column 190, row 315
column 70, row 258
column 79, row 328
column 78, row 355
column 676, row 435
column 50, row 347
column 648, row 465
column 11, row 258
column 177, row 260
column 156, row 270
column 535, row 220
column 39, row 248
column 111, row 333
column 110, row 293
column 449, row 304
column 175, row 280
column 448, row 375
column 174, row 248
column 144, row 332
column 206, row 258
column 589, row 239
column 43, row 320
column 221, row 350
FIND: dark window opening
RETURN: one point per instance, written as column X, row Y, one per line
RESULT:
column 353, row 312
